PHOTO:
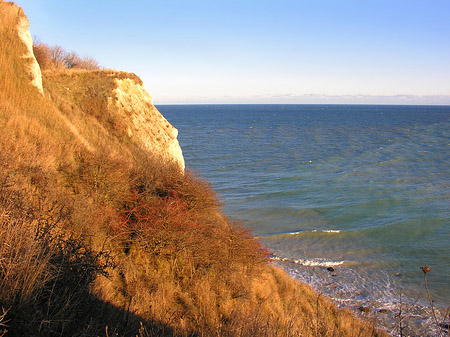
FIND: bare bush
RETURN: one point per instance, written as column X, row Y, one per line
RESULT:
column 56, row 57
column 42, row 53
column 88, row 63
column 72, row 60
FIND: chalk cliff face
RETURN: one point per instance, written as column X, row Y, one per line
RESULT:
column 25, row 36
column 145, row 124
column 121, row 107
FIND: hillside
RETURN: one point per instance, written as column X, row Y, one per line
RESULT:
column 104, row 233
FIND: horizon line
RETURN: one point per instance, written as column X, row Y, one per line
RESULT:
column 381, row 104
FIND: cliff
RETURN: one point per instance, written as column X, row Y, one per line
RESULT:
column 103, row 234
column 111, row 96
column 25, row 35
column 122, row 106
column 143, row 121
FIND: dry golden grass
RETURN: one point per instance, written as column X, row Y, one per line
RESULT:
column 99, row 238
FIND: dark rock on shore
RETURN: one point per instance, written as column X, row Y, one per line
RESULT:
column 445, row 326
column 364, row 309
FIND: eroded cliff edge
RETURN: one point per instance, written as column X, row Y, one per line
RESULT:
column 24, row 34
column 143, row 121
column 120, row 103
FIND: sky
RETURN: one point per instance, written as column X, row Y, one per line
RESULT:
column 262, row 51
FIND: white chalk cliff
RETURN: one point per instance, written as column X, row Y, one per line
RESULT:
column 145, row 124
column 25, row 36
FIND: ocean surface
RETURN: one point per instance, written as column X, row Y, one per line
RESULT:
column 364, row 189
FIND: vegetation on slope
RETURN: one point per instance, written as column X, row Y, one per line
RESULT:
column 99, row 238
column 56, row 57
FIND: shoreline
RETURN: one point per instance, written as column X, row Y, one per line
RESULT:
column 391, row 313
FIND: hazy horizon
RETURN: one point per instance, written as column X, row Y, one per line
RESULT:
column 262, row 52
column 337, row 104
column 389, row 101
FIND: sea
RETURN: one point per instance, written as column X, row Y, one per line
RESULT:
column 352, row 199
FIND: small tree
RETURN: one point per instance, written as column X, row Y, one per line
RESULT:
column 57, row 54
column 72, row 60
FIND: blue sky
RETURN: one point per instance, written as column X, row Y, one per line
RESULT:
column 248, row 51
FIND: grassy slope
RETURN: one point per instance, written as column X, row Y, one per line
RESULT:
column 99, row 239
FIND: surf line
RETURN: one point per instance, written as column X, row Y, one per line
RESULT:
column 308, row 262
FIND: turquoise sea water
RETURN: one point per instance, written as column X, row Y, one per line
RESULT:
column 362, row 188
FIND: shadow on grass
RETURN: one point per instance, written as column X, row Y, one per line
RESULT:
column 98, row 318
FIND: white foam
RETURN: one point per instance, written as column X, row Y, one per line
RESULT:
column 310, row 263
column 316, row 231
column 278, row 258
column 318, row 262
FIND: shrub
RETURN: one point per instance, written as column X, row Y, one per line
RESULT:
column 45, row 272
column 42, row 53
column 55, row 57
